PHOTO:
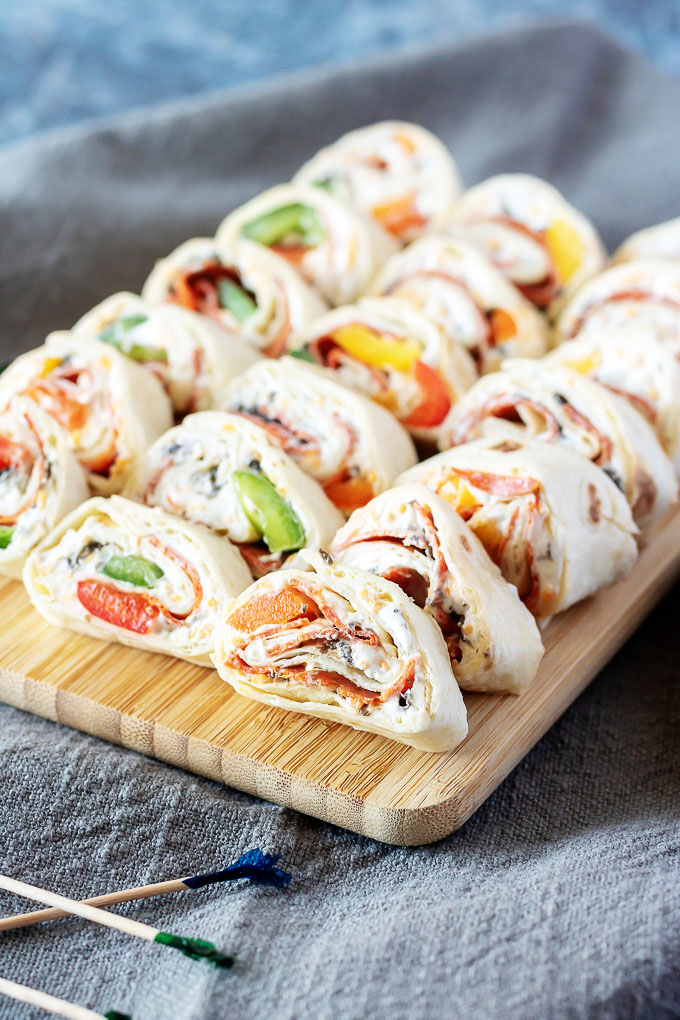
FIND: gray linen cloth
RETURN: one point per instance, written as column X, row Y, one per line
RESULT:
column 560, row 897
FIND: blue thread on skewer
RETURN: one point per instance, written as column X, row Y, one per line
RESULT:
column 253, row 865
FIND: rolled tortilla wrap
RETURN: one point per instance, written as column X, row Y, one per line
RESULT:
column 191, row 356
column 351, row 445
column 243, row 287
column 643, row 294
column 123, row 572
column 659, row 242
column 639, row 368
column 40, row 481
column 346, row 646
column 538, row 399
column 398, row 357
column 557, row 526
column 460, row 290
column 412, row 537
column 110, row 407
column 397, row 173
column 336, row 249
column 532, row 234
column 223, row 471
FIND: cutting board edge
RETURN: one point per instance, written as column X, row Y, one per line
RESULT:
column 397, row 826
column 440, row 813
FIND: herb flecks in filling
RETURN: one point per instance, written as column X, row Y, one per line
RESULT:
column 289, row 620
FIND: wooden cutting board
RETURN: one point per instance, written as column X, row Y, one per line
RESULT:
column 187, row 716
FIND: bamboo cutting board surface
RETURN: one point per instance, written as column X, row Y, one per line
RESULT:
column 187, row 716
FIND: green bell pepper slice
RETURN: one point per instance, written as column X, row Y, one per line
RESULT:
column 303, row 354
column 268, row 512
column 133, row 569
column 236, row 300
column 6, row 535
column 295, row 220
column 116, row 334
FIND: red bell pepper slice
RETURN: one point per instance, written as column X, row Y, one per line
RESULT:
column 435, row 403
column 121, row 608
column 13, row 455
column 348, row 494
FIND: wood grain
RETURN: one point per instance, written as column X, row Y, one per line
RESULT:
column 185, row 715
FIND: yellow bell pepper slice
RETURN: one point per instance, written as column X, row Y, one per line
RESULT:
column 377, row 350
column 399, row 215
column 565, row 248
column 455, row 491
column 49, row 365
column 586, row 365
column 406, row 143
column 503, row 326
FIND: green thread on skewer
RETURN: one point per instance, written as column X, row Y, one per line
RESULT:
column 196, row 949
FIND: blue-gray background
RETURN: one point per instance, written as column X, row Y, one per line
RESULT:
column 62, row 61
column 559, row 899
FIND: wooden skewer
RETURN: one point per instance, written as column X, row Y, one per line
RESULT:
column 22, row 993
column 105, row 900
column 196, row 949
column 252, row 865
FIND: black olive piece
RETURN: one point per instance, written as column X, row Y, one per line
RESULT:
column 615, row 478
column 87, row 550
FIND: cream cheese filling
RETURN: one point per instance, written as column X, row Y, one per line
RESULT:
column 309, row 413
